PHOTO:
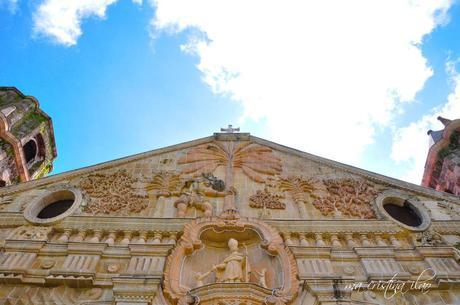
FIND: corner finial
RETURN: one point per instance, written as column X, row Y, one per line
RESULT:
column 444, row 121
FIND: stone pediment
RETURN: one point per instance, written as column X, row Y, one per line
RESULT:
column 225, row 220
column 260, row 179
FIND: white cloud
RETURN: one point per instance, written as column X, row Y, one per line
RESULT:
column 324, row 74
column 410, row 144
column 62, row 19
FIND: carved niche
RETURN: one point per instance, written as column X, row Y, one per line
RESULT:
column 115, row 193
column 230, row 261
column 347, row 197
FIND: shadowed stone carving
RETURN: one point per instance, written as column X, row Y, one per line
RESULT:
column 115, row 193
column 349, row 197
column 266, row 200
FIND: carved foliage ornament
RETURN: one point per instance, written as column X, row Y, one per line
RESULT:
column 350, row 197
column 165, row 184
column 115, row 193
column 299, row 189
column 190, row 242
column 265, row 199
column 256, row 162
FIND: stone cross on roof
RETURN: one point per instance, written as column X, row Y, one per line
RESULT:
column 230, row 129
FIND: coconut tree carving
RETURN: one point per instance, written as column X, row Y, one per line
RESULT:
column 165, row 184
column 254, row 160
column 299, row 189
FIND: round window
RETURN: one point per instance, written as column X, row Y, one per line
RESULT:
column 53, row 206
column 403, row 211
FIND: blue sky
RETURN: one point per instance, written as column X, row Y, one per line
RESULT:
column 359, row 82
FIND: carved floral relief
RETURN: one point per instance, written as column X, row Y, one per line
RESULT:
column 348, row 197
column 115, row 193
column 266, row 200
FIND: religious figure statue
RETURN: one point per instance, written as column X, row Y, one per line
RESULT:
column 235, row 267
column 194, row 191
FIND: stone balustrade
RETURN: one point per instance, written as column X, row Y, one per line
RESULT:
column 345, row 240
column 113, row 237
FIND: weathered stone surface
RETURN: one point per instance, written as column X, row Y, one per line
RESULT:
column 155, row 229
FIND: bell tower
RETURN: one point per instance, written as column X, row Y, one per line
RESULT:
column 27, row 146
column 442, row 167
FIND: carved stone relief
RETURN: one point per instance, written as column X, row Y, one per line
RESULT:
column 301, row 190
column 165, row 184
column 266, row 200
column 429, row 238
column 234, row 259
column 57, row 295
column 195, row 191
column 115, row 193
column 256, row 161
column 347, row 197
column 31, row 233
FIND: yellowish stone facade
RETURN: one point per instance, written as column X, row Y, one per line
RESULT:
column 229, row 219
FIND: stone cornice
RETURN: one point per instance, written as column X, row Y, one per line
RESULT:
column 177, row 224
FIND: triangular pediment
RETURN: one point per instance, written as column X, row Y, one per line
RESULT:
column 265, row 179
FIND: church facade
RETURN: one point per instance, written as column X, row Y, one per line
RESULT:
column 229, row 219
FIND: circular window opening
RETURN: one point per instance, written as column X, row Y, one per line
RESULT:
column 53, row 206
column 54, row 209
column 403, row 212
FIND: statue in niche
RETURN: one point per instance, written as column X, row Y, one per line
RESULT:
column 194, row 191
column 234, row 269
